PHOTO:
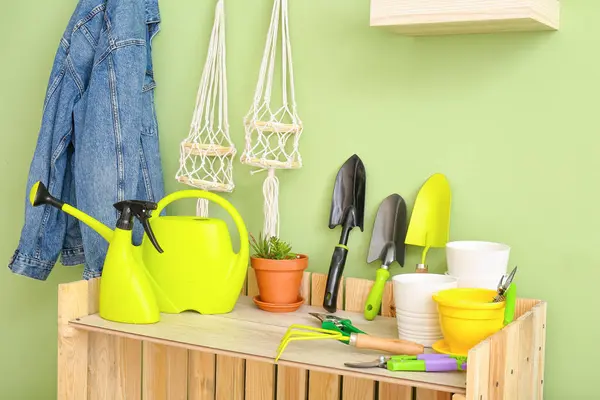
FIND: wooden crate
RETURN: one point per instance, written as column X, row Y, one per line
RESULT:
column 104, row 360
column 443, row 17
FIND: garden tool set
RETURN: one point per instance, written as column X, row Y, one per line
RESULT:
column 430, row 219
column 341, row 329
column 387, row 245
column 348, row 210
column 421, row 362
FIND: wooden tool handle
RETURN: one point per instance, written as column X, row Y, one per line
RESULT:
column 395, row 346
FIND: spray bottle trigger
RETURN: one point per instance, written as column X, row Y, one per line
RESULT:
column 149, row 232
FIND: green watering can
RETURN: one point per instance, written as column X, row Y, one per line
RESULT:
column 183, row 263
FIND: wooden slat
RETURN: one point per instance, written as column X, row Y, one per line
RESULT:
column 292, row 382
column 497, row 364
column 540, row 326
column 357, row 291
column 426, row 394
column 323, row 385
column 164, row 372
column 478, row 371
column 388, row 391
column 511, row 361
column 260, row 376
column 230, row 378
column 201, row 375
column 75, row 300
column 526, row 357
column 115, row 367
column 524, row 305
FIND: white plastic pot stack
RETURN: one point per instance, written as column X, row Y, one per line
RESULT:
column 477, row 264
column 416, row 312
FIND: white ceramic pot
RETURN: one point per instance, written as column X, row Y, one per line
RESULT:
column 418, row 324
column 412, row 292
column 480, row 282
column 421, row 334
column 427, row 342
column 467, row 259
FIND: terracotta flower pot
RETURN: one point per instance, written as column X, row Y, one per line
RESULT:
column 279, row 280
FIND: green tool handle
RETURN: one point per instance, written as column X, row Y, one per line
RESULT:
column 373, row 303
column 509, row 303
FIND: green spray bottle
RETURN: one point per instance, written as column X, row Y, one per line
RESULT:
column 126, row 288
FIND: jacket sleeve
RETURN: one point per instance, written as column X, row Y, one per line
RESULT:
column 44, row 228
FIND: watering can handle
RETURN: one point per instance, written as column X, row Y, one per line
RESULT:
column 203, row 194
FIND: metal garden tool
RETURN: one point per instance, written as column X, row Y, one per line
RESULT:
column 503, row 286
column 421, row 362
column 387, row 245
column 347, row 209
column 429, row 224
column 341, row 329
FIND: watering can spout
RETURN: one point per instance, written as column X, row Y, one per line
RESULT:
column 39, row 195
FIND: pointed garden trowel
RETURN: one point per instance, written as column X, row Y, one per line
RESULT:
column 348, row 210
column 387, row 245
column 429, row 224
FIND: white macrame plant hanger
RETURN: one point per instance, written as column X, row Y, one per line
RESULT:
column 273, row 134
column 206, row 155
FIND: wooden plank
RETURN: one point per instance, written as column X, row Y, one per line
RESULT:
column 322, row 385
column 524, row 305
column 427, row 394
column 526, row 356
column 540, row 321
column 478, row 371
column 230, row 378
column 388, row 391
column 511, row 361
column 357, row 291
column 201, row 375
column 260, row 376
column 497, row 364
column 115, row 367
column 291, row 381
column 164, row 372
column 75, row 300
column 539, row 326
column 459, row 397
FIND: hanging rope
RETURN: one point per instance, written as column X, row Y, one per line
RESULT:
column 206, row 155
column 272, row 135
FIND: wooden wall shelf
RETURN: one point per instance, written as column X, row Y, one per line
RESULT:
column 231, row 356
column 445, row 17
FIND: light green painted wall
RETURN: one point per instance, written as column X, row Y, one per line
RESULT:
column 511, row 119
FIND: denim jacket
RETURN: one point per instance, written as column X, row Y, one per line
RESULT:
column 98, row 141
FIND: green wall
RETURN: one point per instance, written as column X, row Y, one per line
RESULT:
column 511, row 119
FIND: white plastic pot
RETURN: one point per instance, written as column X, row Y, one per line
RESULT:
column 469, row 259
column 412, row 292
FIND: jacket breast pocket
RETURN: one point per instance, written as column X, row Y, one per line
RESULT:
column 149, row 121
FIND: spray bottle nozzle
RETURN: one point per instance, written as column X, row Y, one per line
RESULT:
column 142, row 210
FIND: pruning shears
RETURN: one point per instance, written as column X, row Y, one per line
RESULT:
column 421, row 362
column 334, row 323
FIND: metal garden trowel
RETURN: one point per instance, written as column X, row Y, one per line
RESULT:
column 387, row 245
column 348, row 210
column 430, row 220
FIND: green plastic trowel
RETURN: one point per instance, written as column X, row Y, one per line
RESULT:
column 429, row 224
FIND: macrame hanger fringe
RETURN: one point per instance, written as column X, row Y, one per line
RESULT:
column 202, row 208
column 271, row 206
